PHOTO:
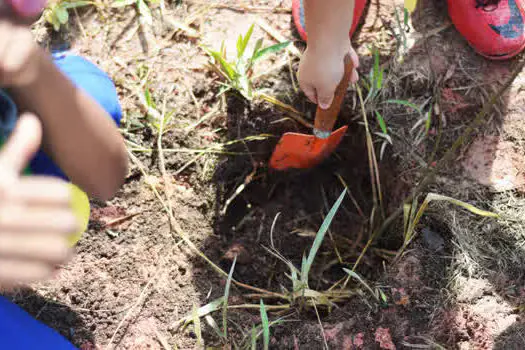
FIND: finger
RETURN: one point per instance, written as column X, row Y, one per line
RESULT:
column 22, row 144
column 39, row 190
column 355, row 77
column 35, row 246
column 354, row 58
column 325, row 98
column 24, row 218
column 310, row 93
column 18, row 271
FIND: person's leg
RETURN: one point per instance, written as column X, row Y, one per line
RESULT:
column 298, row 16
column 18, row 330
column 494, row 28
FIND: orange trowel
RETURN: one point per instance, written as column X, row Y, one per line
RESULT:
column 302, row 151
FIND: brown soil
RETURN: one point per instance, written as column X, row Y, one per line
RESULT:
column 133, row 278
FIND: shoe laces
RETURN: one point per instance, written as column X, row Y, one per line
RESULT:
column 486, row 3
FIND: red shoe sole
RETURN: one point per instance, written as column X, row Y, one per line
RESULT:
column 502, row 57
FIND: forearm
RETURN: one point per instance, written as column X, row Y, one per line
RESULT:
column 78, row 134
column 328, row 22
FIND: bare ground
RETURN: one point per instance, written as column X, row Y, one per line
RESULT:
column 459, row 284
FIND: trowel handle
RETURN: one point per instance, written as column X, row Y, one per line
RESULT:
column 325, row 118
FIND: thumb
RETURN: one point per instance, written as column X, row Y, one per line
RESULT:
column 22, row 144
column 324, row 98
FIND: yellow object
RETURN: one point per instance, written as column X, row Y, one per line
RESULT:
column 410, row 5
column 81, row 208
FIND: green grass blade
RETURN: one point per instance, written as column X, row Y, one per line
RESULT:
column 205, row 310
column 149, row 99
column 243, row 42
column 295, row 279
column 265, row 327
column 428, row 122
column 197, row 325
column 254, row 338
column 258, row 45
column 304, row 272
column 360, row 280
column 381, row 122
column 226, row 296
column 380, row 79
column 404, row 103
column 383, row 296
column 320, row 235
column 270, row 49
column 239, row 46
column 226, row 67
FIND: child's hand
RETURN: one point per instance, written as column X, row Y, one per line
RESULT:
column 322, row 68
column 36, row 218
column 19, row 55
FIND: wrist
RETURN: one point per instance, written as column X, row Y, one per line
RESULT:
column 336, row 45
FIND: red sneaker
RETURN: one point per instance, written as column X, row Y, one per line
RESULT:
column 494, row 28
column 298, row 16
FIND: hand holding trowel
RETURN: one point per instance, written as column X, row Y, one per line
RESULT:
column 302, row 151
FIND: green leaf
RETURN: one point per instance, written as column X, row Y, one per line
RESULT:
column 258, row 45
column 149, row 100
column 321, row 233
column 381, row 122
column 226, row 67
column 270, row 49
column 62, row 15
column 241, row 47
column 76, row 4
column 404, row 103
column 226, row 296
column 265, row 327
